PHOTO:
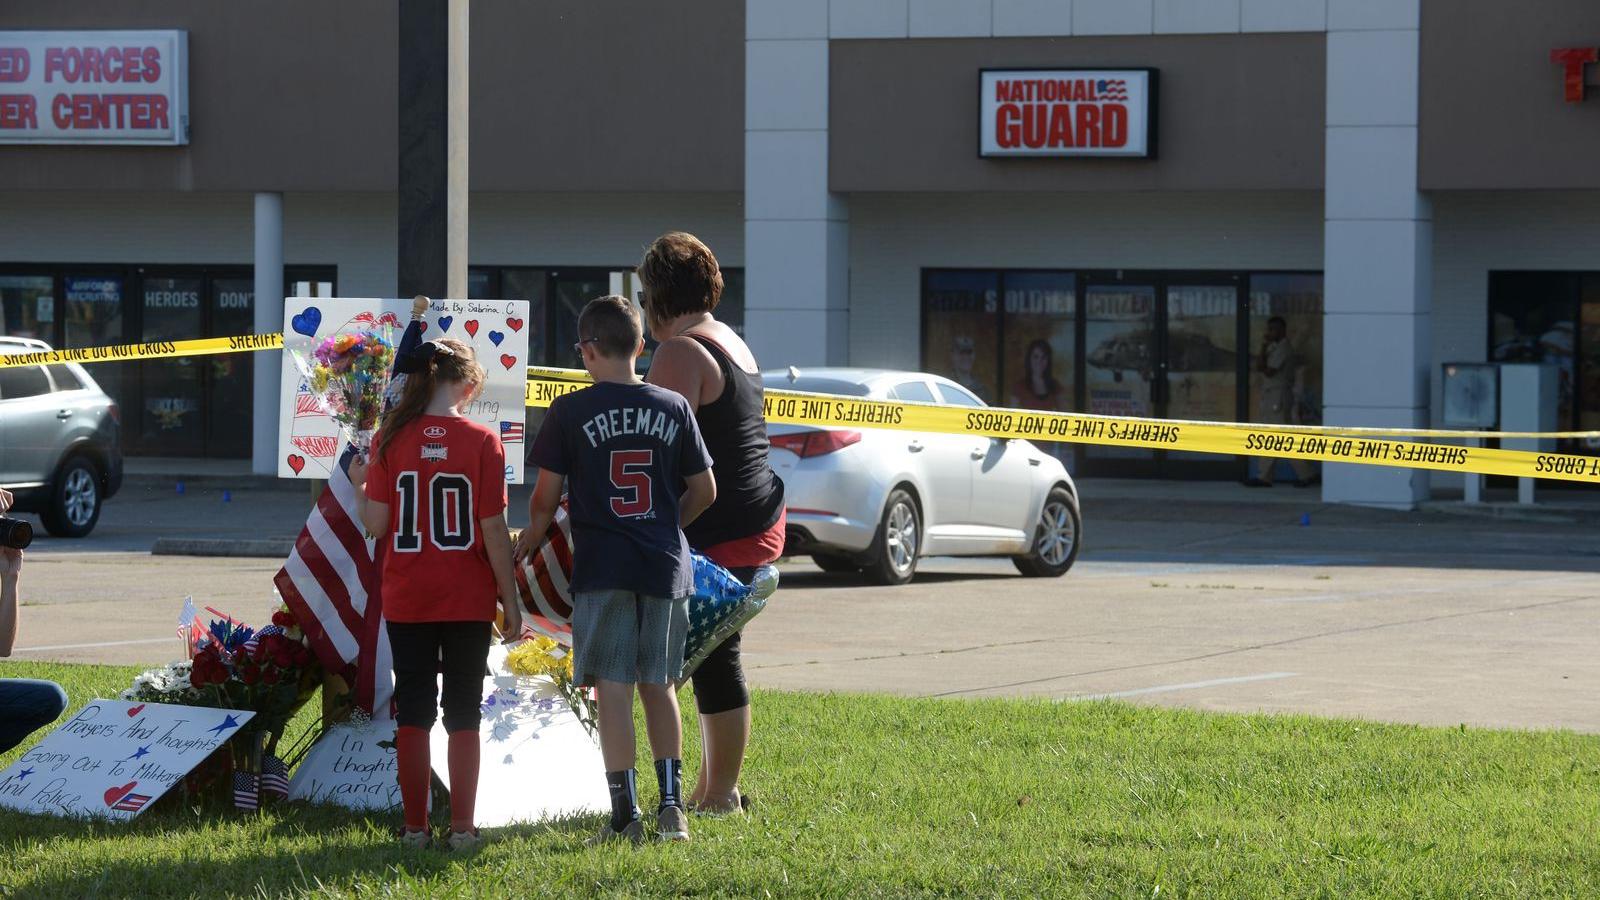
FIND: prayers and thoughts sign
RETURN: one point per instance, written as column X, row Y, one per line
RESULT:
column 114, row 758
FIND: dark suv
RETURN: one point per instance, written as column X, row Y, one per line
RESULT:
column 60, row 441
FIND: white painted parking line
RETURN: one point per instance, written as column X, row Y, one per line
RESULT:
column 1186, row 686
column 161, row 640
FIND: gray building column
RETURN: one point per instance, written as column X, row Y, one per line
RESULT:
column 796, row 233
column 269, row 318
column 1377, row 243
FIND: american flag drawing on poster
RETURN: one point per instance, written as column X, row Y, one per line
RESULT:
column 330, row 581
column 542, row 580
column 131, row 802
column 511, row 432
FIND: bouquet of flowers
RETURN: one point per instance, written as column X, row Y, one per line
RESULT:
column 271, row 672
column 541, row 657
column 347, row 375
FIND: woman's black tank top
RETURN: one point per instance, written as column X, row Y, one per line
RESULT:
column 734, row 428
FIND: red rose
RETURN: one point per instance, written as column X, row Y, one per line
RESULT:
column 282, row 657
column 302, row 656
column 269, row 676
column 250, row 675
column 283, row 619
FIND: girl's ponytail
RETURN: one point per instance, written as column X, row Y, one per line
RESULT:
column 445, row 361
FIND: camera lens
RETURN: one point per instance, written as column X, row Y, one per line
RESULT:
column 15, row 533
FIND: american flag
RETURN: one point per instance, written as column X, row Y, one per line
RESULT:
column 255, row 639
column 511, row 432
column 246, row 790
column 330, row 581
column 131, row 802
column 543, row 579
column 274, row 776
column 191, row 628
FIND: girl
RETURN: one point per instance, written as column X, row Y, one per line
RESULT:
column 435, row 498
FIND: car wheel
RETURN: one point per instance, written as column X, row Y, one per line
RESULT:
column 899, row 540
column 74, row 501
column 833, row 562
column 1055, row 539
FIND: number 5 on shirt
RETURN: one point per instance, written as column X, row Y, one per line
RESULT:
column 630, row 475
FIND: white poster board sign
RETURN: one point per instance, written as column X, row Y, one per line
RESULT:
column 352, row 765
column 538, row 760
column 309, row 441
column 114, row 758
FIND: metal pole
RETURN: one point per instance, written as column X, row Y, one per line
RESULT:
column 423, row 128
column 456, row 139
column 268, row 319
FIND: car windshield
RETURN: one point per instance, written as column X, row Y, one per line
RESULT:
column 816, row 385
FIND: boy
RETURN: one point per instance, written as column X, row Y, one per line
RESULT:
column 627, row 451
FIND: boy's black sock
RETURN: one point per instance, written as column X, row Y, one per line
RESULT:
column 624, row 787
column 669, row 775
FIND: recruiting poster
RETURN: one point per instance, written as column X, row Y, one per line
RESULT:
column 1202, row 355
column 538, row 759
column 960, row 318
column 1119, row 341
column 352, row 765
column 309, row 438
column 115, row 757
column 1037, row 357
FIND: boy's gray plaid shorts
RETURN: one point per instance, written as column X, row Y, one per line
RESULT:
column 626, row 637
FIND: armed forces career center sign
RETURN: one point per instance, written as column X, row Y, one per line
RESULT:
column 1067, row 112
column 94, row 87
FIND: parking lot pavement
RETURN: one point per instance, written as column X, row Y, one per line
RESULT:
column 1232, row 605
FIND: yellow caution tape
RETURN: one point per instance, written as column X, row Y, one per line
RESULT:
column 1241, row 439
column 151, row 350
column 1363, row 446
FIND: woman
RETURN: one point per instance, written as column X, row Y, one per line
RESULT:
column 706, row 362
column 1038, row 388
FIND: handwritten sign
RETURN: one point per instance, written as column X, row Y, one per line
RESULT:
column 309, row 441
column 114, row 758
column 352, row 765
column 538, row 760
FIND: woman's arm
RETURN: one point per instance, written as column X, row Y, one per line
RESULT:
column 682, row 365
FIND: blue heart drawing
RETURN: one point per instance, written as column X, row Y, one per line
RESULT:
column 445, row 322
column 496, row 337
column 307, row 321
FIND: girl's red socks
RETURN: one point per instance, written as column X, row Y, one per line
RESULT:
column 411, row 752
column 464, row 751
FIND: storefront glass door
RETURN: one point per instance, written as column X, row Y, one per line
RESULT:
column 1201, row 355
column 230, row 377
column 170, row 419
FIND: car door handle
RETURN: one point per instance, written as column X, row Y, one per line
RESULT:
column 1035, row 462
column 64, row 414
column 914, row 446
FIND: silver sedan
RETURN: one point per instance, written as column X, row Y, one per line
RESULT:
column 877, row 500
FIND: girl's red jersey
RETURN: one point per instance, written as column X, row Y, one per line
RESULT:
column 440, row 476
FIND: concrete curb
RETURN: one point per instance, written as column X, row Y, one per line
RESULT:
column 278, row 548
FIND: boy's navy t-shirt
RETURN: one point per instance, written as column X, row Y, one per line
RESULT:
column 625, row 450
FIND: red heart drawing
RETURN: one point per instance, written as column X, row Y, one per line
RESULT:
column 507, row 360
column 513, row 323
column 117, row 793
column 135, row 710
column 471, row 327
column 297, row 462
column 421, row 327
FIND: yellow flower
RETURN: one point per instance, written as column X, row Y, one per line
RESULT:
column 540, row 656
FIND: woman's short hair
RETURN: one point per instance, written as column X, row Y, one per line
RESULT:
column 680, row 276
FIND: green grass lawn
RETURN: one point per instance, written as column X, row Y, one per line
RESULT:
column 867, row 795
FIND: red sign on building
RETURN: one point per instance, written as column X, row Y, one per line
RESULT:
column 94, row 87
column 1067, row 112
